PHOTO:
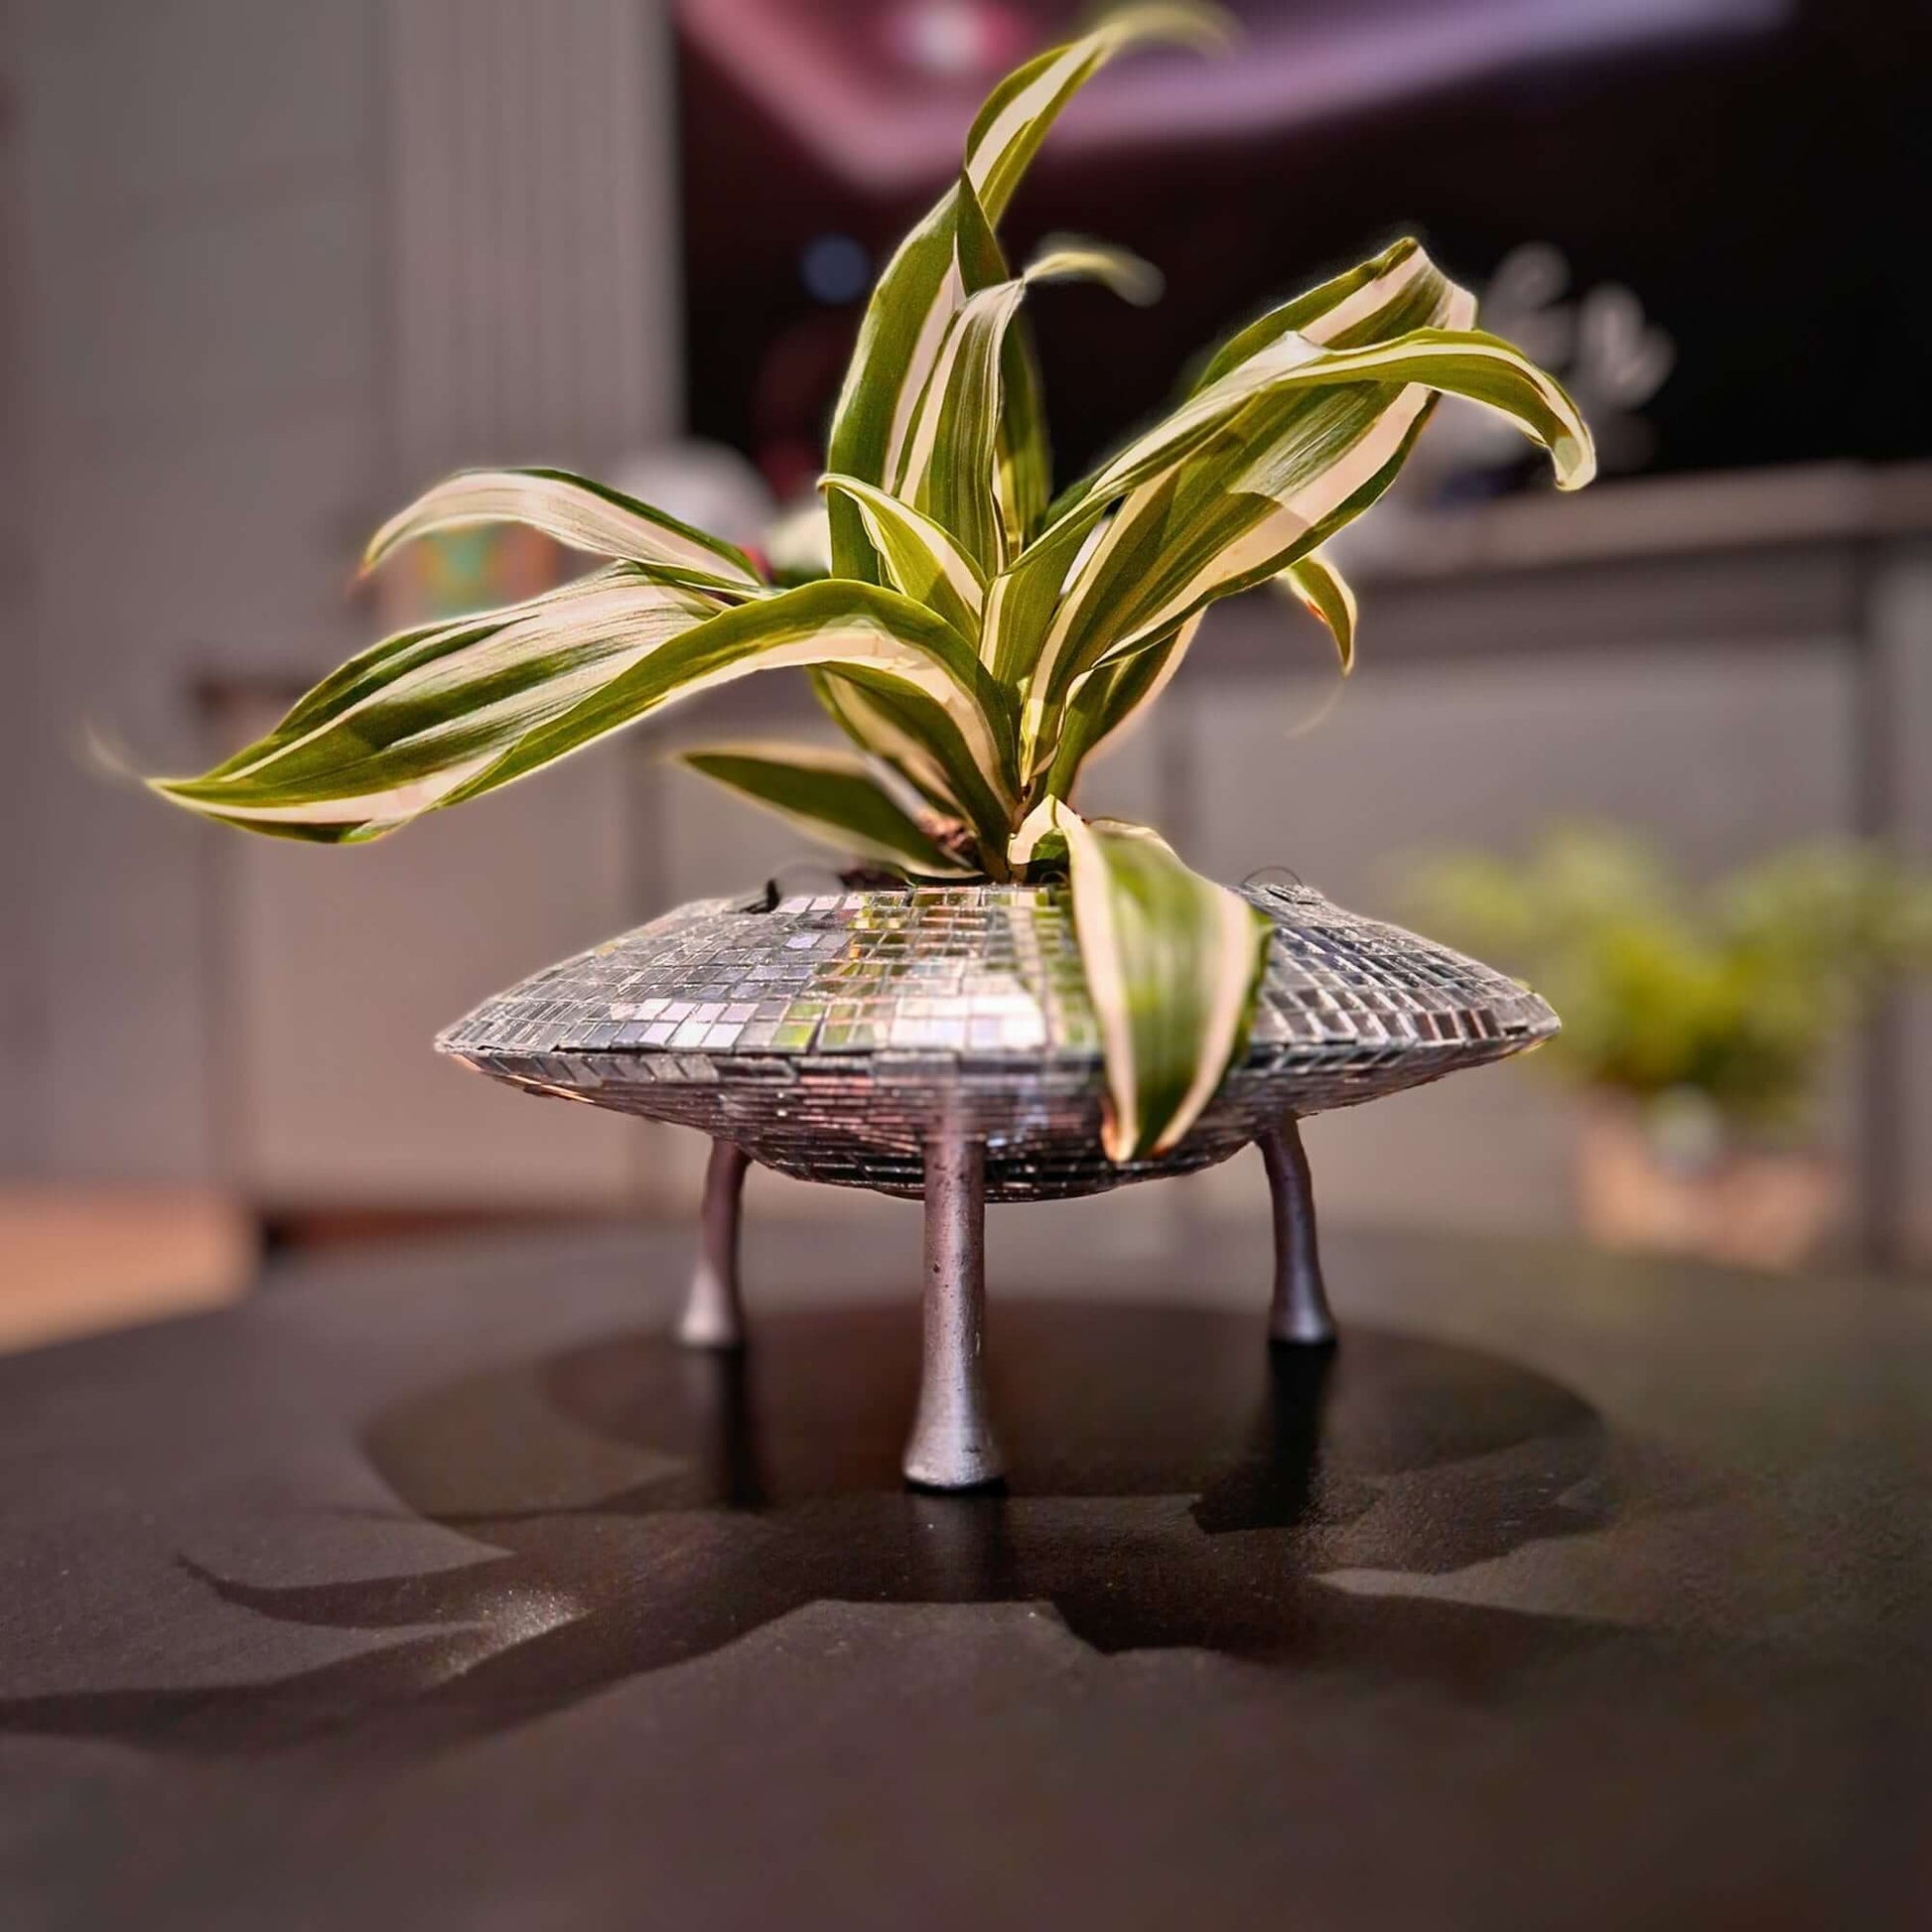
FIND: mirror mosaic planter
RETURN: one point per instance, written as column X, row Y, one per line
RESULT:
column 938, row 1041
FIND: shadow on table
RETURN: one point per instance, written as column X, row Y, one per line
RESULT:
column 1172, row 1481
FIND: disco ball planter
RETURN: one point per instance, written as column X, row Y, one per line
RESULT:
column 941, row 1042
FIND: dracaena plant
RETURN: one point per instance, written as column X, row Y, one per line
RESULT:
column 978, row 638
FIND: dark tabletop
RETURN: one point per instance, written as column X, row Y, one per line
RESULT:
column 445, row 1593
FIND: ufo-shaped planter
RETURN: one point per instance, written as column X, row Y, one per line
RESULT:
column 940, row 1042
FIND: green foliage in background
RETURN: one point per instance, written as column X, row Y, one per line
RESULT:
column 1735, row 991
column 979, row 636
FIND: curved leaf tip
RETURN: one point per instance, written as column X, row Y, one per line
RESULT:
column 1207, row 29
column 1573, row 457
column 1064, row 258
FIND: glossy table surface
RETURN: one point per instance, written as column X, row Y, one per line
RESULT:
column 443, row 1591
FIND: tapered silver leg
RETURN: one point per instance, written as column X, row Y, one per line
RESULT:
column 1299, row 1311
column 714, row 1314
column 953, row 1446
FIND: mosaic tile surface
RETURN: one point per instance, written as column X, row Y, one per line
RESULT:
column 829, row 1036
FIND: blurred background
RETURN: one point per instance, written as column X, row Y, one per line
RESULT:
column 266, row 268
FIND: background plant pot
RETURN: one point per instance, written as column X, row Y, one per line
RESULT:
column 1762, row 1208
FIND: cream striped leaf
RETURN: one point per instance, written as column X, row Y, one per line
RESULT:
column 1173, row 962
column 948, row 468
column 1106, row 701
column 583, row 515
column 396, row 730
column 952, row 254
column 1212, row 527
column 1379, row 301
column 912, row 307
column 467, row 711
column 919, row 555
column 1009, row 128
column 950, row 464
column 1399, row 289
column 1314, row 581
column 886, row 735
column 371, row 670
column 830, row 796
column 1080, row 258
column 896, row 651
column 1026, row 457
column 1321, row 443
column 1026, row 478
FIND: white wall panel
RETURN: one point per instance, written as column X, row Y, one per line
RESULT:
column 19, row 1024
column 285, row 263
column 534, row 240
column 1902, row 620
column 532, row 304
column 201, row 280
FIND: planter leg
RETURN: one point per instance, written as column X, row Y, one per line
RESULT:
column 1299, row 1311
column 951, row 1445
column 713, row 1316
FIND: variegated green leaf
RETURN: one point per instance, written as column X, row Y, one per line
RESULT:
column 920, row 558
column 896, row 651
column 1007, row 131
column 948, row 255
column 1315, row 447
column 1397, row 291
column 1026, row 478
column 952, row 254
column 831, row 795
column 464, row 712
column 398, row 728
column 1379, row 301
column 1080, row 258
column 889, row 737
column 1172, row 961
column 1263, row 399
column 1314, row 581
column 1105, row 701
column 583, row 515
column 949, row 466
column 1025, row 456
column 1374, row 301
column 367, row 672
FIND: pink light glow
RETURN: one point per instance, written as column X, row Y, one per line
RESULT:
column 815, row 70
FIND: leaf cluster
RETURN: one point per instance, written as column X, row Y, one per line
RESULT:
column 979, row 637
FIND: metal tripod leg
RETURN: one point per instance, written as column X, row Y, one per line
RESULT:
column 1300, row 1309
column 714, row 1314
column 951, row 1445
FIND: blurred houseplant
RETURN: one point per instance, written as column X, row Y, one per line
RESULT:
column 1699, row 1021
column 978, row 637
